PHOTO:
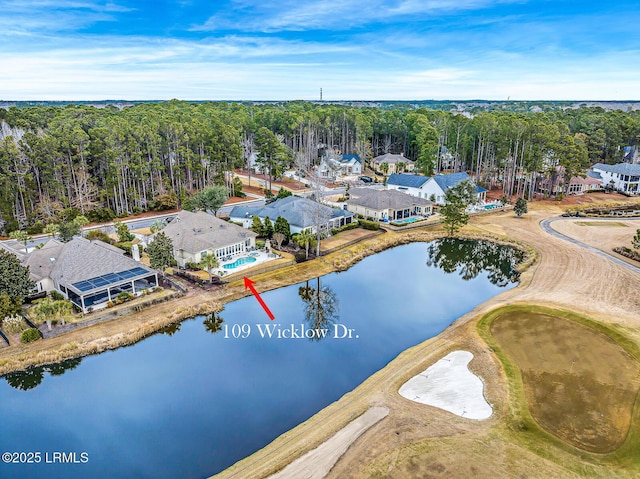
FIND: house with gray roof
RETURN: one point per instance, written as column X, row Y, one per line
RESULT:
column 624, row 177
column 88, row 273
column 301, row 213
column 194, row 234
column 387, row 205
column 392, row 161
column 431, row 187
column 333, row 168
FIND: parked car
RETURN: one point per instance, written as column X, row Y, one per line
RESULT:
column 366, row 179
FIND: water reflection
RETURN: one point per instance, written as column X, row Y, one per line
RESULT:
column 472, row 257
column 321, row 306
column 32, row 377
column 213, row 323
column 171, row 329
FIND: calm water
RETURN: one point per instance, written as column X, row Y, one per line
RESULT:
column 190, row 402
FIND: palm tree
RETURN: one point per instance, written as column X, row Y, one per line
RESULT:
column 208, row 262
column 157, row 225
column 305, row 239
column 52, row 229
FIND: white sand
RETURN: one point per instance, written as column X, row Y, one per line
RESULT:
column 316, row 464
column 449, row 385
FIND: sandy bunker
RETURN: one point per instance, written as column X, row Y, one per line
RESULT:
column 448, row 384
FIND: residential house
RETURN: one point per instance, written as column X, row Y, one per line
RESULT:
column 577, row 185
column 194, row 234
column 333, row 168
column 392, row 161
column 624, row 177
column 88, row 273
column 386, row 205
column 431, row 187
column 301, row 213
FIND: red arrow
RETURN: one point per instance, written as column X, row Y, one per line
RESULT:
column 249, row 284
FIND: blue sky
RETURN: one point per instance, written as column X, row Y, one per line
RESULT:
column 289, row 49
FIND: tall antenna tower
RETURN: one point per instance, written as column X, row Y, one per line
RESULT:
column 320, row 94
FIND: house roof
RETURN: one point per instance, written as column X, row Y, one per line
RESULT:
column 348, row 158
column 299, row 212
column 41, row 261
column 384, row 199
column 594, row 174
column 447, row 181
column 82, row 260
column 411, row 181
column 620, row 168
column 390, row 158
column 195, row 232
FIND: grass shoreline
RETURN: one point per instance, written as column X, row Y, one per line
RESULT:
column 69, row 346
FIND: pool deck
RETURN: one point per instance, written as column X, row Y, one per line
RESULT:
column 260, row 256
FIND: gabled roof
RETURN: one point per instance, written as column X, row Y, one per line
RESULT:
column 195, row 232
column 41, row 261
column 410, row 181
column 620, row 168
column 384, row 199
column 390, row 158
column 299, row 212
column 79, row 260
column 348, row 158
column 594, row 174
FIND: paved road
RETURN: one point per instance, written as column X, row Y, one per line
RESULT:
column 546, row 225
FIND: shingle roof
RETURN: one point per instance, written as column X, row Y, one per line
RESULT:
column 620, row 168
column 412, row 181
column 195, row 232
column 299, row 212
column 384, row 199
column 594, row 174
column 390, row 158
column 78, row 260
column 41, row 261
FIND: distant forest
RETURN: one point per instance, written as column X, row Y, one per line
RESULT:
column 103, row 161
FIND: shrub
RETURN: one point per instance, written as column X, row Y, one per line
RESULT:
column 14, row 324
column 125, row 245
column 29, row 335
column 56, row 296
column 370, row 225
column 123, row 297
column 192, row 266
column 110, row 304
column 98, row 235
column 350, row 226
column 260, row 243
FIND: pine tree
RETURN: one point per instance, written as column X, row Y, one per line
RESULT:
column 160, row 252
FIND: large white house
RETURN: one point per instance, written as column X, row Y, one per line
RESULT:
column 431, row 187
column 194, row 234
column 386, row 205
column 333, row 168
column 623, row 177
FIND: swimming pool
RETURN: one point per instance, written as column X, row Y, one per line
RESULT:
column 490, row 207
column 405, row 220
column 239, row 261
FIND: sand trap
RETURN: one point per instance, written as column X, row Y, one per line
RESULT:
column 316, row 464
column 449, row 385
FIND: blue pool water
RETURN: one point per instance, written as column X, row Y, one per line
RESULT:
column 239, row 261
column 406, row 220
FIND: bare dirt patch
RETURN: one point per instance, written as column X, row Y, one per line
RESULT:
column 579, row 384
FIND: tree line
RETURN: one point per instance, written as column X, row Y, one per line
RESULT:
column 57, row 163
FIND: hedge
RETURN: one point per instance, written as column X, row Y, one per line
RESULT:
column 29, row 335
column 370, row 225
